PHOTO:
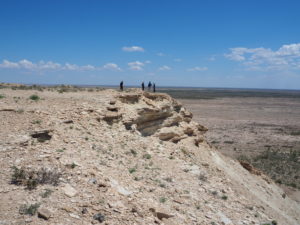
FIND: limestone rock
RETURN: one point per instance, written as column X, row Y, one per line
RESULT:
column 44, row 213
column 69, row 190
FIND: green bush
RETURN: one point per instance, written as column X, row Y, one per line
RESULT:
column 34, row 97
column 29, row 209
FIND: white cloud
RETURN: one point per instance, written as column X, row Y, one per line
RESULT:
column 160, row 54
column 164, row 68
column 197, row 68
column 133, row 49
column 27, row 64
column 49, row 65
column 147, row 61
column 88, row 67
column 137, row 65
column 286, row 57
column 8, row 64
column 69, row 66
column 111, row 66
column 43, row 66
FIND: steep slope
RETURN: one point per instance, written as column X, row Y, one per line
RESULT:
column 123, row 158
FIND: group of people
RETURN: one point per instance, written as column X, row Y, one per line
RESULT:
column 150, row 86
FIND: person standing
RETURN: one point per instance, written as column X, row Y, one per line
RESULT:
column 154, row 89
column 149, row 85
column 121, row 85
column 143, row 86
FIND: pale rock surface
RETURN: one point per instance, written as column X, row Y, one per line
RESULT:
column 130, row 158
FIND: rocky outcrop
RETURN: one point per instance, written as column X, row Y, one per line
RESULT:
column 153, row 114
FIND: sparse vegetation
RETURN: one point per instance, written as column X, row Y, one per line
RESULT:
column 295, row 133
column 132, row 170
column 224, row 197
column 32, row 178
column 72, row 165
column 34, row 97
column 202, row 177
column 282, row 166
column 162, row 199
column 37, row 122
column 29, row 209
column 214, row 193
column 61, row 150
column 2, row 96
column 46, row 193
column 147, row 156
column 133, row 152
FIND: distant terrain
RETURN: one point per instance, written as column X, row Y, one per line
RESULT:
column 258, row 126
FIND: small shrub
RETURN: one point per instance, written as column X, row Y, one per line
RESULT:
column 133, row 152
column 46, row 194
column 18, row 176
column 60, row 150
column 72, row 165
column 37, row 122
column 162, row 185
column 214, row 192
column 202, row 177
column 32, row 178
column 34, row 97
column 2, row 96
column 169, row 179
column 29, row 209
column 132, row 170
column 162, row 199
column 224, row 197
column 147, row 156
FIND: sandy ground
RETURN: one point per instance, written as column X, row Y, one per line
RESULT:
column 249, row 126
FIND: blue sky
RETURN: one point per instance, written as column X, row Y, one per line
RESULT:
column 242, row 43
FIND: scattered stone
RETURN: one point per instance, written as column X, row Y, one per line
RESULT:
column 69, row 190
column 160, row 215
column 41, row 135
column 84, row 211
column 68, row 121
column 44, row 213
column 92, row 181
column 74, row 216
column 99, row 217
column 119, row 188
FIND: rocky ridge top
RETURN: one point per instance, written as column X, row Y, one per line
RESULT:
column 124, row 158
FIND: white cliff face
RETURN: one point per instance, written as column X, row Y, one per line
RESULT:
column 126, row 158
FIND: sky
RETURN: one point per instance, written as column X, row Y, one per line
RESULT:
column 207, row 43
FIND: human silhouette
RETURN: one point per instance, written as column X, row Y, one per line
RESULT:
column 143, row 86
column 154, row 90
column 149, row 85
column 121, row 85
